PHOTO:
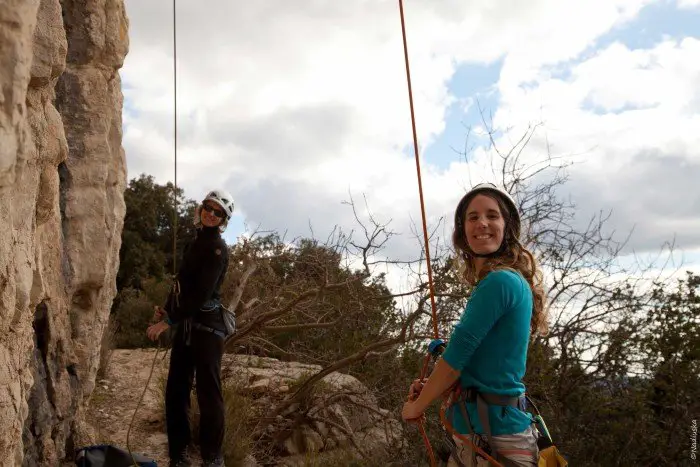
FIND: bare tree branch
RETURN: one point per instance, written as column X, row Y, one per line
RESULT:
column 238, row 293
column 299, row 327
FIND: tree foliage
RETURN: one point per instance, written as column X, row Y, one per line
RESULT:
column 146, row 254
column 147, row 238
column 617, row 378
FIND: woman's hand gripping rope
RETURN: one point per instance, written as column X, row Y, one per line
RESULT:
column 155, row 330
column 158, row 314
column 411, row 412
column 414, row 410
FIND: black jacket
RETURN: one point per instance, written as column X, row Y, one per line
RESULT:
column 201, row 274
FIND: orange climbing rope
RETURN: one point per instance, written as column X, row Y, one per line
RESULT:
column 436, row 335
column 420, row 423
column 420, row 183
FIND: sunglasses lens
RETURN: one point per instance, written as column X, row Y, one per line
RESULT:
column 217, row 212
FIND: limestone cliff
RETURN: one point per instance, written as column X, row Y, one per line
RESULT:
column 62, row 178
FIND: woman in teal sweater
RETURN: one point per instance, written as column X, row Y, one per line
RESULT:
column 487, row 351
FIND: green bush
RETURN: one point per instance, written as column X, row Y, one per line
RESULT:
column 134, row 313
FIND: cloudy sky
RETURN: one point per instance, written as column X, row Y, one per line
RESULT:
column 291, row 106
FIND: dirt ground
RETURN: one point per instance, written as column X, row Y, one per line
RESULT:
column 116, row 395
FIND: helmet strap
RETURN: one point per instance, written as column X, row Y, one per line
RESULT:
column 498, row 252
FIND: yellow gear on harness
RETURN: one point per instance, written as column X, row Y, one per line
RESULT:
column 550, row 457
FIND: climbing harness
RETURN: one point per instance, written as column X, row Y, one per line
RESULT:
column 214, row 309
column 548, row 455
column 459, row 397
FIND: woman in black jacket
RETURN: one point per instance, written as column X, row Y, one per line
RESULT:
column 198, row 341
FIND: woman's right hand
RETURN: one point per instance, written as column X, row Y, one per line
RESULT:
column 158, row 314
column 415, row 389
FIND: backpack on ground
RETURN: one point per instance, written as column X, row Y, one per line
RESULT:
column 105, row 455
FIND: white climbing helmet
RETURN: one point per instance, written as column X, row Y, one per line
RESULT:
column 222, row 198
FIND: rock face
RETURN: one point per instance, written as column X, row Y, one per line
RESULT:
column 342, row 408
column 62, row 178
column 341, row 413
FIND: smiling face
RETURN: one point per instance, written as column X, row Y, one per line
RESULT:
column 212, row 214
column 484, row 225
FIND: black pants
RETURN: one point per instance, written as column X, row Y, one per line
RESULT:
column 202, row 357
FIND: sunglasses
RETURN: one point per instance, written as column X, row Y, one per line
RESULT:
column 217, row 212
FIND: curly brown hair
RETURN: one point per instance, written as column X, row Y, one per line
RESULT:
column 513, row 257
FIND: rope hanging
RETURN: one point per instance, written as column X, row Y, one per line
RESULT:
column 436, row 334
column 175, row 218
column 421, row 426
column 420, row 183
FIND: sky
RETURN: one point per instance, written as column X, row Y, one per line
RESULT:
column 294, row 107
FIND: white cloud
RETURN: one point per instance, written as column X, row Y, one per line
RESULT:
column 620, row 78
column 290, row 107
column 689, row 4
column 633, row 116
